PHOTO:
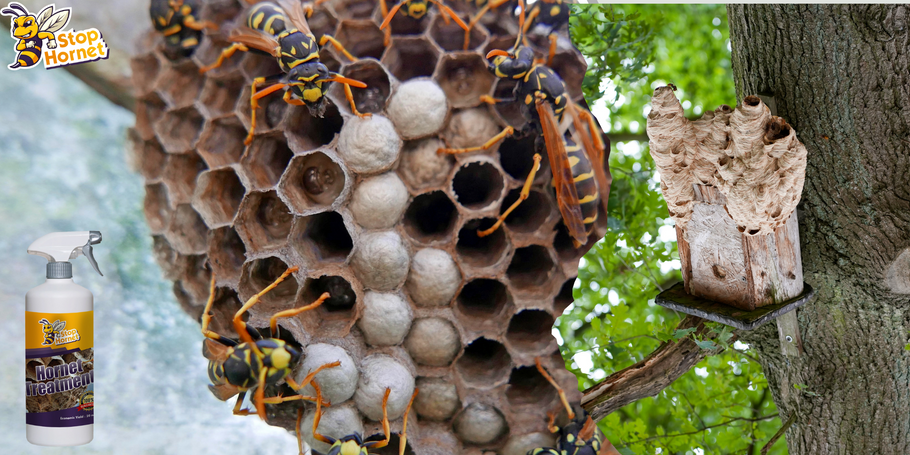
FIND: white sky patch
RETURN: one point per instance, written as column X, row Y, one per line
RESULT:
column 613, row 297
column 739, row 345
column 584, row 360
column 667, row 267
column 558, row 336
column 666, row 233
column 701, row 372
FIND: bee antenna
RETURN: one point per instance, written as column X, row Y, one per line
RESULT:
column 19, row 7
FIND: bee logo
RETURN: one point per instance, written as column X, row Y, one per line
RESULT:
column 51, row 330
column 31, row 31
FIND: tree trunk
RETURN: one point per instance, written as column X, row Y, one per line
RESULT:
column 841, row 76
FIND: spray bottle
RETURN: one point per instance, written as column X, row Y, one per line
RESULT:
column 59, row 372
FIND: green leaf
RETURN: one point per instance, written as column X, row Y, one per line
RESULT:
column 682, row 333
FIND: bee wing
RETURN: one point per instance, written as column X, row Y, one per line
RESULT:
column 59, row 326
column 255, row 39
column 45, row 13
column 566, row 194
column 57, row 21
column 296, row 14
column 598, row 156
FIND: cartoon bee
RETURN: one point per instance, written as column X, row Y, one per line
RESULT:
column 31, row 31
column 51, row 330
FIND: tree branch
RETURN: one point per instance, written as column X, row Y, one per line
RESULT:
column 767, row 447
column 688, row 433
column 648, row 377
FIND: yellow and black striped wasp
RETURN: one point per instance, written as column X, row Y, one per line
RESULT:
column 176, row 20
column 354, row 444
column 578, row 437
column 573, row 143
column 236, row 367
column 280, row 29
column 31, row 30
column 416, row 9
column 553, row 14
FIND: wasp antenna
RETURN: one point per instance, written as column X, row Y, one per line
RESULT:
column 19, row 7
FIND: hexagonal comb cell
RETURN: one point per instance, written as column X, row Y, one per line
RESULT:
column 530, row 267
column 483, row 298
column 531, row 214
column 477, row 185
column 354, row 9
column 517, row 158
column 221, row 142
column 263, row 221
column 565, row 246
column 464, row 77
column 409, row 57
column 564, row 298
column 362, row 38
column 180, row 172
column 508, row 112
column 148, row 111
column 260, row 273
column 226, row 253
column 225, row 304
column 322, row 237
column 186, row 232
column 450, row 36
column 481, row 251
column 571, row 68
column 430, row 217
column 373, row 98
column 322, row 22
column 219, row 97
column 179, row 85
column 265, row 160
column 178, row 130
column 306, row 132
column 528, row 387
column 530, row 330
column 269, row 114
column 156, row 207
column 312, row 182
column 145, row 71
column 217, row 196
column 484, row 363
column 147, row 156
column 342, row 301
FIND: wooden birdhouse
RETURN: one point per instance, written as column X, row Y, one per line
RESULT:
column 732, row 180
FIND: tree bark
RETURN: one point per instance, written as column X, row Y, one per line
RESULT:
column 841, row 76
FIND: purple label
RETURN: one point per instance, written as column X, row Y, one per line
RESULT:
column 72, row 417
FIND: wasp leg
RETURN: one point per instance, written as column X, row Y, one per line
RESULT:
column 350, row 96
column 386, row 32
column 241, row 412
column 309, row 379
column 338, row 45
column 447, row 12
column 259, row 396
column 562, row 394
column 385, row 423
column 552, row 37
column 392, row 13
column 508, row 131
column 403, row 440
column 191, row 23
column 525, row 192
column 280, row 399
column 586, row 116
column 529, row 20
column 491, row 5
column 273, row 321
column 207, row 318
column 225, row 54
column 254, row 103
column 490, row 100
column 551, row 422
column 239, row 325
column 297, row 430
column 318, row 416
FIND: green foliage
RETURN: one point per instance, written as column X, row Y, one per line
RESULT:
column 723, row 405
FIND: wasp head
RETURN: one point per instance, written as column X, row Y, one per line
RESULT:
column 417, row 9
column 25, row 27
column 510, row 65
column 308, row 82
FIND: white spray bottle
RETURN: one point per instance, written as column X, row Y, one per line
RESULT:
column 59, row 371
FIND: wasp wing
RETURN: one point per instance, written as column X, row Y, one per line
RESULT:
column 296, row 14
column 214, row 350
column 44, row 14
column 55, row 22
column 256, row 39
column 224, row 392
column 59, row 326
column 566, row 194
column 597, row 155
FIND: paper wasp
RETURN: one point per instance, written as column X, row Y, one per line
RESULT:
column 354, row 444
column 574, row 143
column 554, row 14
column 236, row 367
column 51, row 330
column 416, row 9
column 31, row 31
column 280, row 29
column 176, row 20
column 580, row 436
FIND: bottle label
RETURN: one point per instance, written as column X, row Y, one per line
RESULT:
column 59, row 369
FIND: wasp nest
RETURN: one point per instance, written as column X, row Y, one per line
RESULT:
column 371, row 214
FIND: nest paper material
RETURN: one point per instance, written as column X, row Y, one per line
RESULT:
column 752, row 157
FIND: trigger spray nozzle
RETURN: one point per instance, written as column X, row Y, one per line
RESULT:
column 94, row 238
